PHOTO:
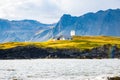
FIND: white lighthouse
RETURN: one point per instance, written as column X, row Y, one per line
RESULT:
column 72, row 33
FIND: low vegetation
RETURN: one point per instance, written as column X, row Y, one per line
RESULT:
column 80, row 47
column 78, row 42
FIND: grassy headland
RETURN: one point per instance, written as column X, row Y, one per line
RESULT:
column 78, row 47
column 78, row 42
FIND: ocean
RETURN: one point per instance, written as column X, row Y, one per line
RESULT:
column 59, row 69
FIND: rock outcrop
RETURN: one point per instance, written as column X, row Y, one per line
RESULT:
column 33, row 52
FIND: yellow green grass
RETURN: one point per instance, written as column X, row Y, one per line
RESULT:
column 78, row 42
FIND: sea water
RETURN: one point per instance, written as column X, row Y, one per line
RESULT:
column 59, row 69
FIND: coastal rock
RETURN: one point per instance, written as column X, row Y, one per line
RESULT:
column 31, row 51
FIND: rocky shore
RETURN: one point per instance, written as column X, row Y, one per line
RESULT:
column 33, row 52
column 114, row 78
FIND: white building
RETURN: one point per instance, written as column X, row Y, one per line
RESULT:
column 72, row 33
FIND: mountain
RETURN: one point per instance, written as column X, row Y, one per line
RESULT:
column 24, row 30
column 99, row 23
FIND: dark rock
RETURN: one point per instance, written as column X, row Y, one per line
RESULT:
column 114, row 78
column 31, row 51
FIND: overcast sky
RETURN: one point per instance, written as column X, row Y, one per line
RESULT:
column 50, row 11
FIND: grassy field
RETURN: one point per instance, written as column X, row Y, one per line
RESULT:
column 78, row 42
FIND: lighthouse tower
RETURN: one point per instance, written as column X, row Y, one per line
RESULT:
column 72, row 33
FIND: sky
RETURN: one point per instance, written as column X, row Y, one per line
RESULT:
column 50, row 11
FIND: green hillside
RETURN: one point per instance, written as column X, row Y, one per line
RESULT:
column 78, row 42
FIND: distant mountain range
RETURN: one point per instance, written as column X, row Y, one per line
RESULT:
column 24, row 30
column 100, row 23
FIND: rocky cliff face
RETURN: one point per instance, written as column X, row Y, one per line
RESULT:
column 99, row 23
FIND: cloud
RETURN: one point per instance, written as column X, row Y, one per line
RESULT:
column 78, row 7
column 49, row 11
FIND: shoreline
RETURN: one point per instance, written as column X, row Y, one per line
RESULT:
column 63, row 58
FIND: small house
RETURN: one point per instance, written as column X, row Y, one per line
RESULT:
column 64, row 37
column 61, row 37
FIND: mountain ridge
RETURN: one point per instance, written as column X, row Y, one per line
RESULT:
column 89, row 23
column 99, row 23
column 21, row 30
